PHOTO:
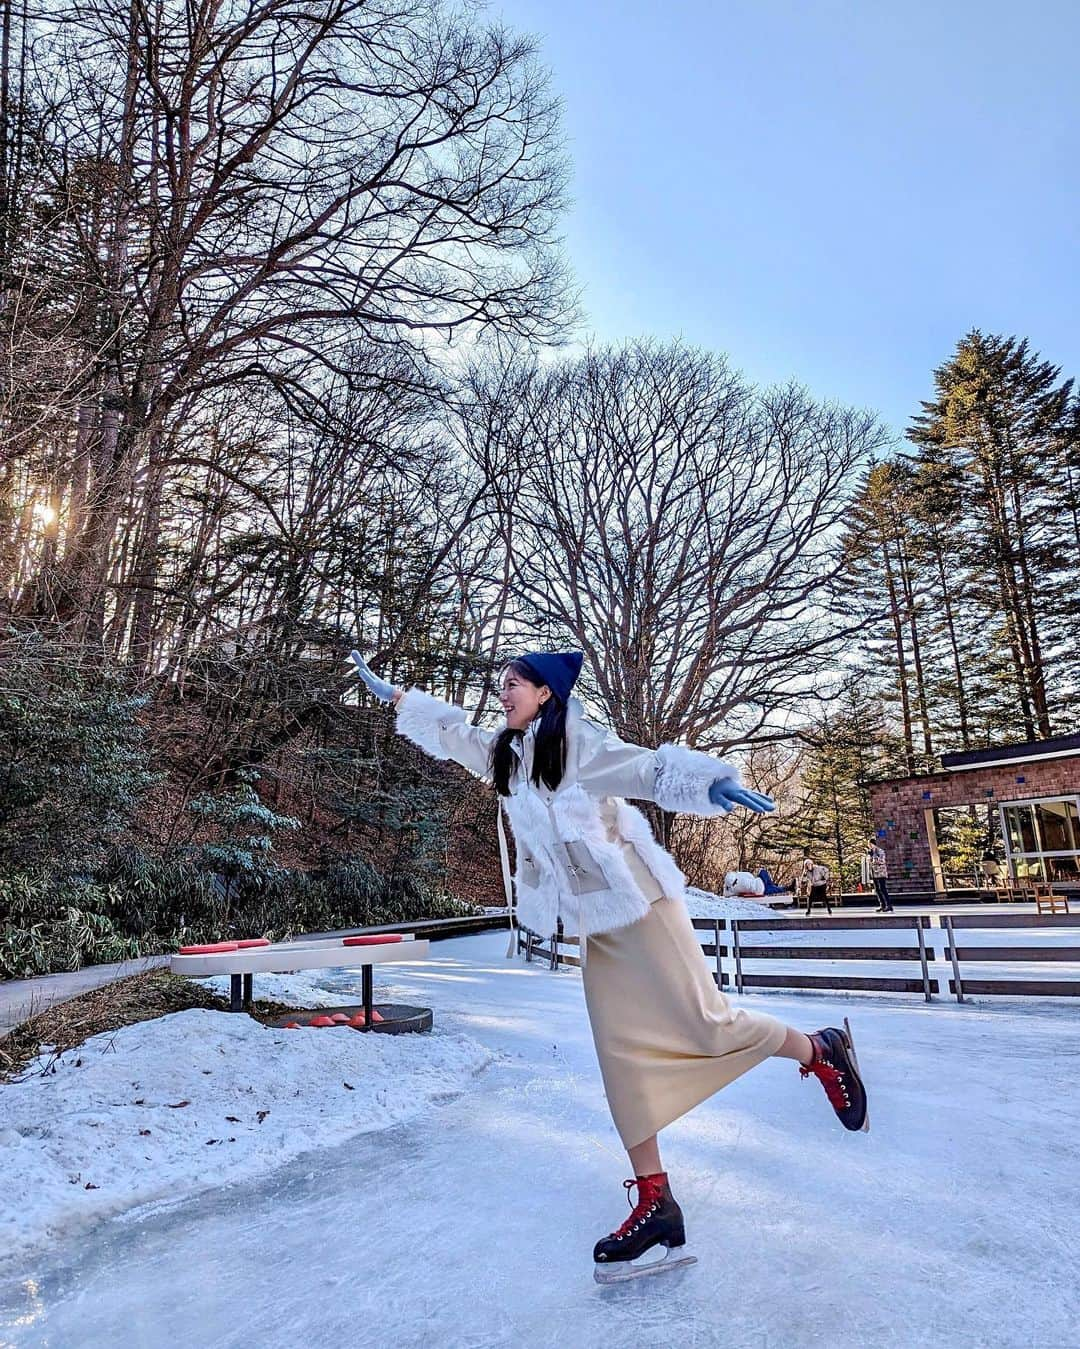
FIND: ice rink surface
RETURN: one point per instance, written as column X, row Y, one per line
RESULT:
column 955, row 1222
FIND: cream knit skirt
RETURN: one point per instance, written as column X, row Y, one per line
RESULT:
column 665, row 1035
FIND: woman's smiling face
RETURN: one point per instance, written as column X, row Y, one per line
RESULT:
column 521, row 699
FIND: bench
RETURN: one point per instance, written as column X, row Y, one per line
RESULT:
column 242, row 960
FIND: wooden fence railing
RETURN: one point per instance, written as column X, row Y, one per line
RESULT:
column 552, row 949
column 1002, row 955
column 728, row 943
column 917, row 950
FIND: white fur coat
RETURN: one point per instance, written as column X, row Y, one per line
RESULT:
column 567, row 866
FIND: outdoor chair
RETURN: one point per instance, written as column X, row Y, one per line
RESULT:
column 1047, row 901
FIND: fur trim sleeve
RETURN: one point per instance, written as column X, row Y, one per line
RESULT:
column 683, row 779
column 422, row 718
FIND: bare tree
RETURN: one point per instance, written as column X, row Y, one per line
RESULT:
column 680, row 528
column 282, row 181
column 743, row 840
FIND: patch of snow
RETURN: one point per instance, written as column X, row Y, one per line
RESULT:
column 703, row 904
column 199, row 1099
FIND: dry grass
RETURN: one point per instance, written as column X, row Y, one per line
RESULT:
column 142, row 997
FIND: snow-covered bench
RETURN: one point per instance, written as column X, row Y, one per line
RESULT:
column 242, row 960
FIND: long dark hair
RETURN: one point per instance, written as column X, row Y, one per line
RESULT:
column 549, row 755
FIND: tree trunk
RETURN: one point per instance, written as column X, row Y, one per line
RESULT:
column 1027, row 593
column 954, row 648
column 916, row 648
column 1010, row 603
column 901, row 660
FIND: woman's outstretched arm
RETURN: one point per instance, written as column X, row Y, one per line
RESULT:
column 684, row 781
column 437, row 727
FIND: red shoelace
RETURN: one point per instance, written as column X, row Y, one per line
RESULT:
column 832, row 1079
column 649, row 1192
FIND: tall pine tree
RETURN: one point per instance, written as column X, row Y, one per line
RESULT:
column 1001, row 419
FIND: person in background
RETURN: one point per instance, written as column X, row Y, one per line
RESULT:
column 875, row 872
column 802, row 880
column 819, row 877
column 866, row 874
column 991, row 870
column 771, row 887
column 743, row 883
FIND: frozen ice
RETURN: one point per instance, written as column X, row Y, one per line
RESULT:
column 471, row 1224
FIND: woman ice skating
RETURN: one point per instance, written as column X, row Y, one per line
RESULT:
column 874, row 874
column 666, row 1037
column 818, row 893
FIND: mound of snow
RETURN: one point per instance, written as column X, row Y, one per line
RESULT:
column 702, row 904
column 197, row 1099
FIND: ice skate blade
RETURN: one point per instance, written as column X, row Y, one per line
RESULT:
column 851, row 1049
column 621, row 1271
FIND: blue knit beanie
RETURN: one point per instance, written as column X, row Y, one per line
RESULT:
column 557, row 669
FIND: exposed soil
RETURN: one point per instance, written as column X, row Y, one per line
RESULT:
column 142, row 997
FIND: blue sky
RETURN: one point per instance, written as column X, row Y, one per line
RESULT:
column 833, row 191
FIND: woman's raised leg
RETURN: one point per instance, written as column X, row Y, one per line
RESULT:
column 645, row 1157
column 796, row 1046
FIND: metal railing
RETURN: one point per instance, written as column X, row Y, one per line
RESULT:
column 728, row 944
column 961, row 984
column 917, row 951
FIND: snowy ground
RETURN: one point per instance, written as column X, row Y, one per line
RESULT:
column 704, row 904
column 954, row 1222
column 198, row 1099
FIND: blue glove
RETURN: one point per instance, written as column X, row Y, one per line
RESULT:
column 725, row 792
column 379, row 687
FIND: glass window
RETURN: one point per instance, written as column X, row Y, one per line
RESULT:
column 1063, row 868
column 1020, row 826
column 1057, row 825
column 1036, row 831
